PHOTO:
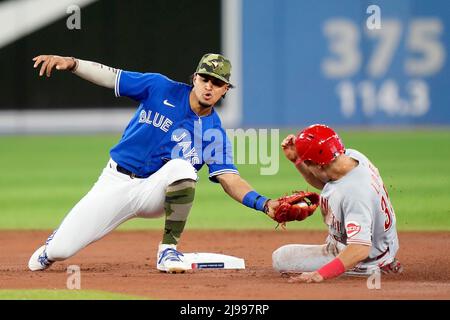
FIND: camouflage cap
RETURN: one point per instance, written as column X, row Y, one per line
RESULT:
column 216, row 66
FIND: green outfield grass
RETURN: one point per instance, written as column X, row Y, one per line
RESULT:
column 42, row 177
column 64, row 295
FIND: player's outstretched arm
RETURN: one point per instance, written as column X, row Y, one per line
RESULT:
column 92, row 71
column 241, row 191
column 348, row 258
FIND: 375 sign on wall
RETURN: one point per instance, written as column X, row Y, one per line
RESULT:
column 346, row 62
column 385, row 69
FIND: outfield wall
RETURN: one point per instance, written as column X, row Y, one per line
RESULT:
column 352, row 63
column 164, row 36
column 336, row 62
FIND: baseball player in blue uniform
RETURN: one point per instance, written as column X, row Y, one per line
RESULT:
column 152, row 171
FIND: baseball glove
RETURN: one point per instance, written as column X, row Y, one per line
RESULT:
column 297, row 206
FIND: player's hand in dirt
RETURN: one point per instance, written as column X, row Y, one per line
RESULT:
column 288, row 146
column 307, row 277
column 50, row 61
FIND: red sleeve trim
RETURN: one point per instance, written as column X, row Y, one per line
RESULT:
column 356, row 241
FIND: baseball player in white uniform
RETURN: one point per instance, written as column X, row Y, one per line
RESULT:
column 355, row 206
column 152, row 170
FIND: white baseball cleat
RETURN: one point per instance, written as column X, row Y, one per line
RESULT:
column 170, row 260
column 39, row 260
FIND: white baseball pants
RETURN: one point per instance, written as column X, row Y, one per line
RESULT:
column 297, row 258
column 304, row 258
column 114, row 199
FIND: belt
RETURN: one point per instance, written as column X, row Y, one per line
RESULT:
column 128, row 173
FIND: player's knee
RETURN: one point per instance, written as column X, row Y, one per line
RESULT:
column 179, row 169
column 278, row 259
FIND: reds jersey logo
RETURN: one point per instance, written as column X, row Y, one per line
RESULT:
column 352, row 228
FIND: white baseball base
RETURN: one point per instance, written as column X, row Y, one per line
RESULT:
column 204, row 260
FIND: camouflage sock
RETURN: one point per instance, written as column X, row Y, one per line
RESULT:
column 178, row 203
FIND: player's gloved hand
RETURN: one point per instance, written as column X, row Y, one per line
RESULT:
column 288, row 146
column 297, row 206
column 50, row 61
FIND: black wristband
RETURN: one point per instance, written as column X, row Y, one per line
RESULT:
column 266, row 207
column 75, row 65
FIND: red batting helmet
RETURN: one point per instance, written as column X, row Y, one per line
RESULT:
column 318, row 143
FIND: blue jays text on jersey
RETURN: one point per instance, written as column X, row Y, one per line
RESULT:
column 164, row 127
column 158, row 120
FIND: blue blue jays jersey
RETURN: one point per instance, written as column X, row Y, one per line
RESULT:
column 164, row 127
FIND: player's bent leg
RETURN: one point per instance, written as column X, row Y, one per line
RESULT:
column 170, row 192
column 177, row 205
column 389, row 266
column 301, row 258
column 179, row 195
column 106, row 206
column 152, row 204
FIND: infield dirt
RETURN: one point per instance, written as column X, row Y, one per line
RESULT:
column 125, row 262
